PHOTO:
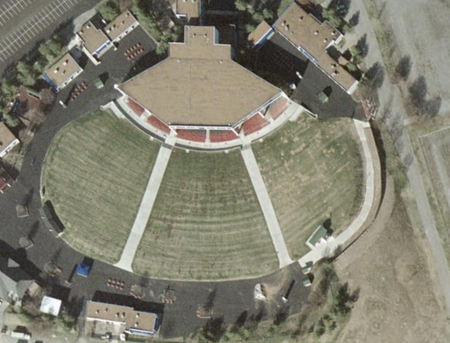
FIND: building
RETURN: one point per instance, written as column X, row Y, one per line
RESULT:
column 189, row 10
column 314, row 39
column 60, row 74
column 7, row 140
column 121, row 26
column 200, row 94
column 126, row 318
column 319, row 235
column 14, row 281
column 260, row 35
column 94, row 41
column 50, row 306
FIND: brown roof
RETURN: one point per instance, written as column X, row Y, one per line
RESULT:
column 6, row 137
column 199, row 84
column 259, row 32
column 93, row 38
column 190, row 8
column 121, row 314
column 115, row 28
column 304, row 30
column 62, row 70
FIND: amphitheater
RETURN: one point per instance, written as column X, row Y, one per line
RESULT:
column 225, row 177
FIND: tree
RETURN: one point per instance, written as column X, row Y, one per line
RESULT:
column 241, row 5
column 25, row 74
column 56, row 45
column 47, row 96
column 10, row 120
column 109, row 10
column 46, row 52
column 7, row 88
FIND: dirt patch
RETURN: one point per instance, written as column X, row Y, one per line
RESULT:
column 398, row 301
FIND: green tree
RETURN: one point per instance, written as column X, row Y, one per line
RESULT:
column 7, row 88
column 10, row 120
column 241, row 5
column 56, row 45
column 46, row 52
column 109, row 10
column 267, row 14
column 25, row 74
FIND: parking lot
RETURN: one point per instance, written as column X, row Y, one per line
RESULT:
column 23, row 23
column 12, row 8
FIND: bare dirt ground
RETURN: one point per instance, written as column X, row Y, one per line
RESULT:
column 398, row 300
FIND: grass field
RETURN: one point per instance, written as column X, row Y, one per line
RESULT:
column 313, row 171
column 206, row 222
column 95, row 174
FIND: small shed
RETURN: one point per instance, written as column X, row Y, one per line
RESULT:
column 319, row 235
column 82, row 269
column 50, row 306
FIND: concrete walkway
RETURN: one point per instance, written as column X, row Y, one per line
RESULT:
column 145, row 209
column 327, row 248
column 266, row 206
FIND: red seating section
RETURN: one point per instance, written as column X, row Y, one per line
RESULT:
column 193, row 136
column 158, row 124
column 277, row 108
column 135, row 107
column 222, row 136
column 254, row 124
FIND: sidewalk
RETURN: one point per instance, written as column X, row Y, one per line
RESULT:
column 145, row 209
column 266, row 207
column 328, row 248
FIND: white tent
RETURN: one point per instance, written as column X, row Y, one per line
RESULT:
column 50, row 306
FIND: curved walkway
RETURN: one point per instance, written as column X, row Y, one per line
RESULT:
column 325, row 249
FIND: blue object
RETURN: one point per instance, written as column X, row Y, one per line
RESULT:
column 82, row 269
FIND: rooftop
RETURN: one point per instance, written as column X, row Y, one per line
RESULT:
column 6, row 137
column 132, row 319
column 259, row 32
column 190, row 8
column 303, row 29
column 317, row 235
column 115, row 28
column 199, row 84
column 92, row 37
column 63, row 69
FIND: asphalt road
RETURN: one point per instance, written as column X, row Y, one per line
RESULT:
column 25, row 23
column 228, row 299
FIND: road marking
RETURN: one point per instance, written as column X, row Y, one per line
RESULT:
column 34, row 26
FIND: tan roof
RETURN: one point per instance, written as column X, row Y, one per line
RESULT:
column 199, row 84
column 62, row 70
column 259, row 32
column 121, row 314
column 115, row 28
column 304, row 30
column 93, row 38
column 6, row 137
column 190, row 8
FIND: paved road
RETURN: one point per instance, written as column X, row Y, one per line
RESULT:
column 394, row 115
column 266, row 206
column 145, row 209
column 24, row 23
